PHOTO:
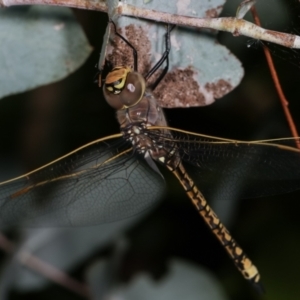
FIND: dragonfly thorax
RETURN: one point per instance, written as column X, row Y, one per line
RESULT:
column 136, row 122
column 145, row 111
column 136, row 133
column 144, row 143
column 123, row 88
column 137, row 110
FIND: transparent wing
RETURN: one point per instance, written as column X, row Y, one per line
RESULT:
column 243, row 169
column 100, row 183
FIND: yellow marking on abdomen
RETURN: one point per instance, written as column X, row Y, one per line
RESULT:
column 242, row 262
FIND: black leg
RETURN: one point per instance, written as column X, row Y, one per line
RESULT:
column 135, row 56
column 164, row 58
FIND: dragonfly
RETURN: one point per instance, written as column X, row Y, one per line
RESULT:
column 118, row 176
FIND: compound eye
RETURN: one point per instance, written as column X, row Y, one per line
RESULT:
column 123, row 88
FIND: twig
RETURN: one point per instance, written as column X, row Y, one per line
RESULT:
column 276, row 81
column 52, row 273
column 47, row 270
column 234, row 25
column 81, row 4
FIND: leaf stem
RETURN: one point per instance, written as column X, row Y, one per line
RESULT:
column 283, row 100
column 43, row 268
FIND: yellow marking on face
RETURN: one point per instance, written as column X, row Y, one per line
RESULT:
column 117, row 74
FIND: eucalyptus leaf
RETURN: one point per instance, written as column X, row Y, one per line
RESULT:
column 183, row 281
column 39, row 45
column 200, row 69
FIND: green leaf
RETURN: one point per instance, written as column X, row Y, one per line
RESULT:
column 182, row 281
column 200, row 69
column 39, row 45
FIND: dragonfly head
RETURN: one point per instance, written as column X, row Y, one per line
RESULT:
column 123, row 88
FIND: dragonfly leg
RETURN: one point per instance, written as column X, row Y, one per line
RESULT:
column 164, row 58
column 134, row 52
column 242, row 262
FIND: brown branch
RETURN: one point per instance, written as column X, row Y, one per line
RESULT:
column 81, row 4
column 283, row 100
column 234, row 25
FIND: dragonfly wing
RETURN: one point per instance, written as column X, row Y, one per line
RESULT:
column 239, row 169
column 87, row 188
column 245, row 171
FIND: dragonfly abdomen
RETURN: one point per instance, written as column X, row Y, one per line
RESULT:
column 242, row 262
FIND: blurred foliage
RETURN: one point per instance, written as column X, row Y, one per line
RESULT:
column 40, row 45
